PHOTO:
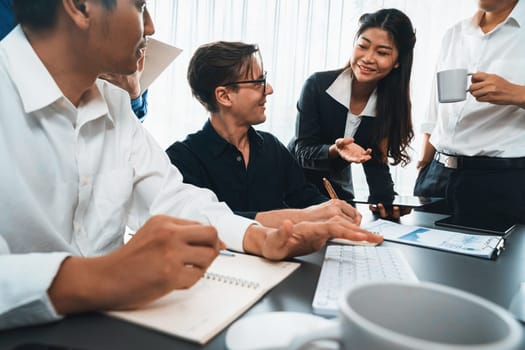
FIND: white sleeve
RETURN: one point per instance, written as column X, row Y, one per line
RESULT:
column 430, row 120
column 159, row 189
column 24, row 281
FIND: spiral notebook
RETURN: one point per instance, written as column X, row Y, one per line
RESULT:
column 231, row 285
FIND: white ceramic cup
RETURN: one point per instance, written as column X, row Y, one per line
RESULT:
column 452, row 85
column 415, row 316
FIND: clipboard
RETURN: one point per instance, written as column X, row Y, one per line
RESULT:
column 159, row 55
column 479, row 245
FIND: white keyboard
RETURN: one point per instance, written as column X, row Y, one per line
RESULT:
column 344, row 266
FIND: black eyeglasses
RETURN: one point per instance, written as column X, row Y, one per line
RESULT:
column 258, row 82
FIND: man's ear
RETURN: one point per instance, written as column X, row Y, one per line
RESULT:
column 222, row 95
column 79, row 11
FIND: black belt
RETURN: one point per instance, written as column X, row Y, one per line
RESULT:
column 479, row 163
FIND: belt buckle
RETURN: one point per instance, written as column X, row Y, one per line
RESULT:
column 451, row 162
column 447, row 161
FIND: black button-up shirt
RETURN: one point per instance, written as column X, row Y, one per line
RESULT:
column 272, row 180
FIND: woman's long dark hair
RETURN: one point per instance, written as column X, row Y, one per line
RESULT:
column 393, row 110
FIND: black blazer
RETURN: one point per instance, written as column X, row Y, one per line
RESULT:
column 320, row 121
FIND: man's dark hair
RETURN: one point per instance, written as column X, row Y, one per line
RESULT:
column 216, row 64
column 41, row 14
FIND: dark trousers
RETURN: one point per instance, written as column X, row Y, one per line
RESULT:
column 432, row 181
column 498, row 193
column 488, row 193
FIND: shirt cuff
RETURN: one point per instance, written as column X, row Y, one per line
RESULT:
column 26, row 279
column 232, row 229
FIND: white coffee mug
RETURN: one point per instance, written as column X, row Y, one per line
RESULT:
column 452, row 85
column 415, row 316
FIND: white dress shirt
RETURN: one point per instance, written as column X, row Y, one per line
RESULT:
column 474, row 128
column 341, row 91
column 73, row 178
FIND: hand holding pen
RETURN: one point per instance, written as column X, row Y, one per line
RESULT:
column 328, row 186
column 373, row 240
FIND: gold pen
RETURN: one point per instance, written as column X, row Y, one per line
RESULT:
column 329, row 188
column 333, row 195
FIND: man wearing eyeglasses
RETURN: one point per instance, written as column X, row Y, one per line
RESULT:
column 80, row 168
column 248, row 169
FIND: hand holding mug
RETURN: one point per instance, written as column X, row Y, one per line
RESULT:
column 494, row 89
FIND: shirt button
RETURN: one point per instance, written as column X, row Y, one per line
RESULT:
column 239, row 158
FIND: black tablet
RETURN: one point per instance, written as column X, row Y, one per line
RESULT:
column 485, row 225
column 401, row 201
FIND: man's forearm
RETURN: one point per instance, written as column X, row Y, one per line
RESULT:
column 520, row 96
column 72, row 290
column 427, row 152
column 254, row 239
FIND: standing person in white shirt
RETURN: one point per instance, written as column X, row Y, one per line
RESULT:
column 79, row 167
column 474, row 150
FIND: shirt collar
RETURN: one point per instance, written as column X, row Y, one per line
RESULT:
column 518, row 14
column 36, row 86
column 516, row 17
column 94, row 105
column 216, row 144
column 341, row 91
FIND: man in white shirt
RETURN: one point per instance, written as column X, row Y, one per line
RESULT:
column 78, row 168
column 475, row 155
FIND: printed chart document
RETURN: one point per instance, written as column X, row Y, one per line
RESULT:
column 231, row 285
column 158, row 56
column 483, row 246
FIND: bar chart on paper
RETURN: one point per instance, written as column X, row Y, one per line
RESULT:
column 484, row 246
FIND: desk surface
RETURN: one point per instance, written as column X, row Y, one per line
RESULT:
column 494, row 280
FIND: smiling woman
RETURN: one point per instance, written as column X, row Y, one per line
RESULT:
column 297, row 39
column 361, row 113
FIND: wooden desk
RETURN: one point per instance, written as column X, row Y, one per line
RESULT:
column 494, row 280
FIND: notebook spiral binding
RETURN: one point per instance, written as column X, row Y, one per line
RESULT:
column 231, row 280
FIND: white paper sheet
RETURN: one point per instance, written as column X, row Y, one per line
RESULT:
column 159, row 55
